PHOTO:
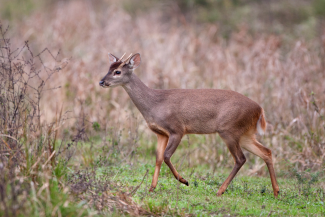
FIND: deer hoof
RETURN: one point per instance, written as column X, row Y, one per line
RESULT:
column 151, row 189
column 184, row 181
column 219, row 194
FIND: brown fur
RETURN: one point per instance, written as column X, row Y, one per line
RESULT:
column 173, row 113
column 263, row 122
column 114, row 66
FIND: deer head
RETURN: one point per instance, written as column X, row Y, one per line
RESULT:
column 120, row 70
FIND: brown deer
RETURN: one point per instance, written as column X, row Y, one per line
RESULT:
column 173, row 113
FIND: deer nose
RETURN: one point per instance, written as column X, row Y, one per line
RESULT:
column 101, row 83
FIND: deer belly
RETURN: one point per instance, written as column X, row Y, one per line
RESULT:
column 201, row 127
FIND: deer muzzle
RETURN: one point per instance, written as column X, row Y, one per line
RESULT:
column 103, row 84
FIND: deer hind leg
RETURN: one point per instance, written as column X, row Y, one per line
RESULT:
column 239, row 157
column 252, row 145
column 173, row 143
column 162, row 143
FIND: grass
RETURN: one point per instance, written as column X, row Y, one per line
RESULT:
column 301, row 193
column 246, row 195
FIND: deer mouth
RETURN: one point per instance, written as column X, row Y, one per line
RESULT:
column 103, row 84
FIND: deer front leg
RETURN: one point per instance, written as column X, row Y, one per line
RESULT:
column 173, row 143
column 162, row 143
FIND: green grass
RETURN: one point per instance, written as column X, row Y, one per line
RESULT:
column 301, row 192
column 98, row 173
column 76, row 188
column 245, row 196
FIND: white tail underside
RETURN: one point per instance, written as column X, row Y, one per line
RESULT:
column 259, row 127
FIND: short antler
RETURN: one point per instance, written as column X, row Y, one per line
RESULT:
column 121, row 59
column 127, row 60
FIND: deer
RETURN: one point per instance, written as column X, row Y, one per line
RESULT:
column 173, row 113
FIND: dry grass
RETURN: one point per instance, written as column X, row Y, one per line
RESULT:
column 289, row 85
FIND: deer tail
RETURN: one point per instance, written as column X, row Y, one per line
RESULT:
column 261, row 124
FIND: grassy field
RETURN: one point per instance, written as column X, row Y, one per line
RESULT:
column 302, row 193
column 71, row 148
column 246, row 196
column 101, row 184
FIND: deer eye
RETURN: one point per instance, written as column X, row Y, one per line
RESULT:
column 117, row 72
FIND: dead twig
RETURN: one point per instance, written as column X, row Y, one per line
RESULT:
column 135, row 190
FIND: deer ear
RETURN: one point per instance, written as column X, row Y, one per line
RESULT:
column 134, row 61
column 111, row 58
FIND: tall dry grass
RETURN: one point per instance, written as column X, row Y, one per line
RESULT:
column 288, row 83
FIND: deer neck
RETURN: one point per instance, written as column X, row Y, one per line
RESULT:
column 142, row 96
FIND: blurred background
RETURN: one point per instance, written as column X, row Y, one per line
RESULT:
column 271, row 51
